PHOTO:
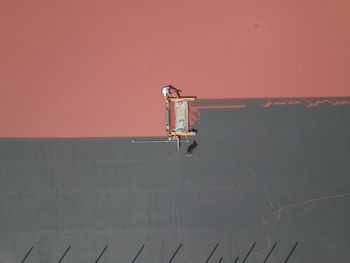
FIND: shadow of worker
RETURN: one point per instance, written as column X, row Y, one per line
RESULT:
column 191, row 147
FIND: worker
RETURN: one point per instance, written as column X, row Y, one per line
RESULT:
column 170, row 92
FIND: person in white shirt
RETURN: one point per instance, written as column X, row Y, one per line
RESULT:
column 170, row 92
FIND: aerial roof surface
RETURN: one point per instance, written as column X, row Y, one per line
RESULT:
column 87, row 175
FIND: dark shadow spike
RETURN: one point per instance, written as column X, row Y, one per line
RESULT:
column 138, row 253
column 250, row 250
column 212, row 252
column 103, row 251
column 291, row 252
column 268, row 255
column 25, row 257
column 177, row 250
column 64, row 254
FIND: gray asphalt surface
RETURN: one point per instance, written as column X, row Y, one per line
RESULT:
column 258, row 176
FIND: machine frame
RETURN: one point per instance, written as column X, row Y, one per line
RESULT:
column 172, row 118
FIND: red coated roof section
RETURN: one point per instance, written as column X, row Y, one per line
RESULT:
column 95, row 68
